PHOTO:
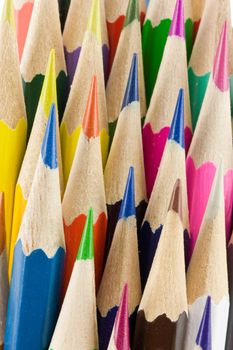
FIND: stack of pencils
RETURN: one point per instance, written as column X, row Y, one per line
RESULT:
column 116, row 175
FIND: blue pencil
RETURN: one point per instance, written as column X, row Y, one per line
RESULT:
column 122, row 267
column 38, row 256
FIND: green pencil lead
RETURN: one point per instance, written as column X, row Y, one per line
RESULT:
column 132, row 12
column 86, row 248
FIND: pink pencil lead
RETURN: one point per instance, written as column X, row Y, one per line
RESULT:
column 121, row 326
column 177, row 25
column 221, row 62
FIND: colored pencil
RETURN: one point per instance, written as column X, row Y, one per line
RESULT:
column 63, row 9
column 126, row 151
column 197, row 10
column 120, row 338
column 231, row 63
column 115, row 16
column 77, row 325
column 39, row 255
column 74, row 32
column 201, row 61
column 204, row 153
column 154, row 36
column 203, row 340
column 44, row 34
column 207, row 272
column 129, row 43
column 122, row 267
column 24, row 182
column 229, row 338
column 85, row 188
column 23, row 12
column 172, row 167
column 172, row 73
column 3, row 273
column 13, row 123
column 164, row 299
column 90, row 63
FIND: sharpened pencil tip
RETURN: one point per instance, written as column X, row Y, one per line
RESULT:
column 221, row 64
column 128, row 204
column 204, row 332
column 177, row 127
column 94, row 22
column 49, row 88
column 49, row 146
column 177, row 25
column 131, row 92
column 176, row 199
column 121, row 327
column 132, row 12
column 216, row 198
column 86, row 248
column 90, row 123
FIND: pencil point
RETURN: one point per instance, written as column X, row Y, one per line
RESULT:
column 177, row 127
column 176, row 199
column 216, row 198
column 204, row 332
column 132, row 12
column 90, row 123
column 86, row 248
column 131, row 92
column 49, row 146
column 221, row 64
column 49, row 88
column 2, row 222
column 177, row 25
column 121, row 327
column 128, row 203
column 8, row 13
column 94, row 20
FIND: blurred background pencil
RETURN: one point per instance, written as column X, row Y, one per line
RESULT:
column 90, row 63
column 44, row 34
column 64, row 6
column 197, row 12
column 129, row 44
column 201, row 60
column 115, row 17
column 154, row 36
column 13, row 123
column 229, row 338
column 84, row 15
column 23, row 12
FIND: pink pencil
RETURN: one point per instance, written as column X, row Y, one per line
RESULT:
column 120, row 333
column 212, row 142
